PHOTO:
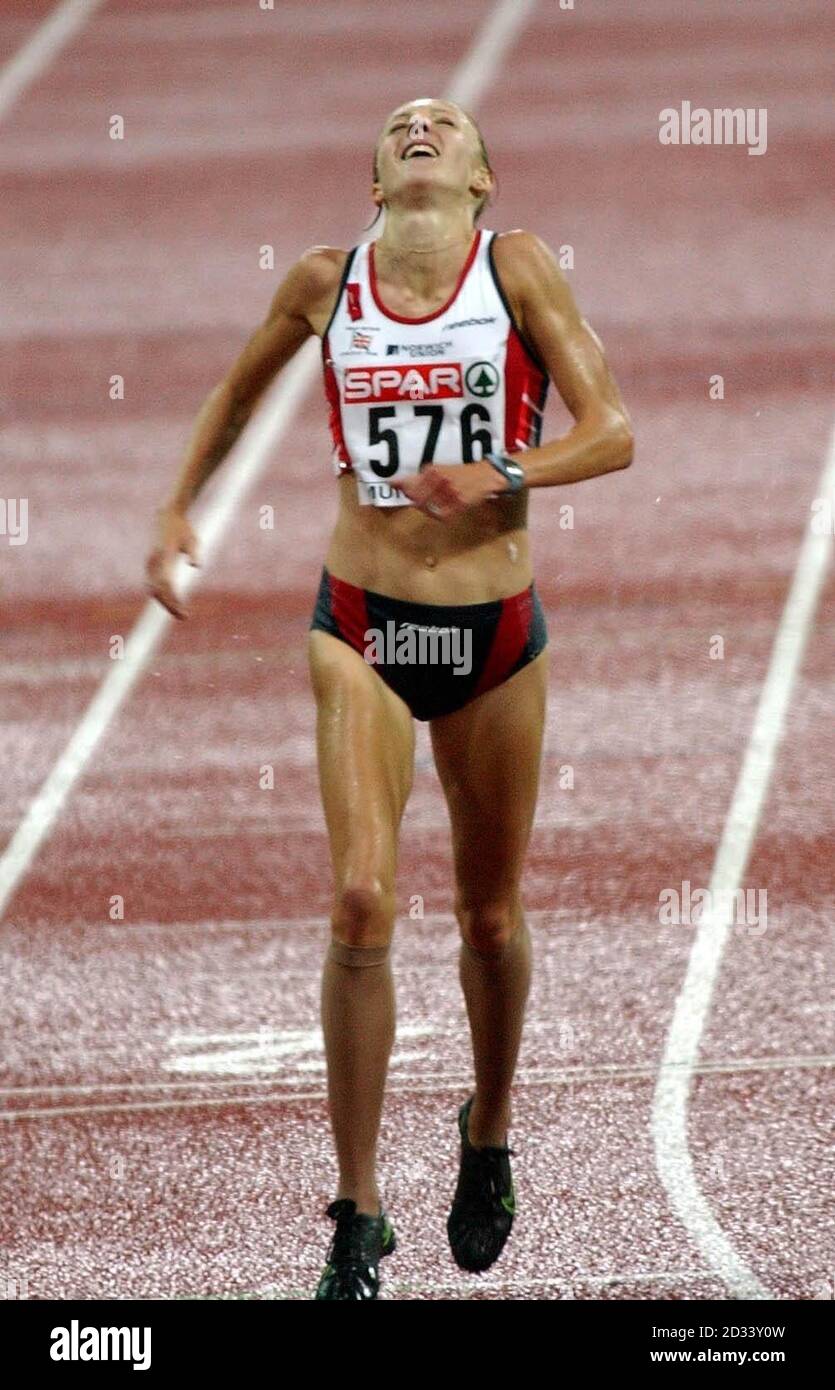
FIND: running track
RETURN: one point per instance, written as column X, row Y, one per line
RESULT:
column 165, row 1128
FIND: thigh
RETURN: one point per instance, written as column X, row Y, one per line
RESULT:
column 365, row 746
column 488, row 757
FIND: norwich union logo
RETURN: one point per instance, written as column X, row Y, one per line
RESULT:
column 482, row 379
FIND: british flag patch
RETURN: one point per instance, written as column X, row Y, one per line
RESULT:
column 361, row 340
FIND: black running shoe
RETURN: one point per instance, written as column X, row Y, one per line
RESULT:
column 358, row 1244
column 484, row 1203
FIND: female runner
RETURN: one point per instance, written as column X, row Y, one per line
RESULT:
column 438, row 341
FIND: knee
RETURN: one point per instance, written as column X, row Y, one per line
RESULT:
column 364, row 912
column 487, row 927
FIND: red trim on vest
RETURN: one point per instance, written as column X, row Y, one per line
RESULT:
column 509, row 641
column 424, row 318
column 332, row 394
column 350, row 612
column 522, row 378
column 352, row 290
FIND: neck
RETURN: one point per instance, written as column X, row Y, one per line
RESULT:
column 422, row 245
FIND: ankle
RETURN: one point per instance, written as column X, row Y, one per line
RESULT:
column 368, row 1203
column 486, row 1129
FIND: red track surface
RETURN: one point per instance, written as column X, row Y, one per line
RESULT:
column 165, row 1124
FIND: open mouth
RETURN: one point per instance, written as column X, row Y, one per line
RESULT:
column 420, row 150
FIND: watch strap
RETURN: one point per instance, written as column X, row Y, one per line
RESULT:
column 508, row 469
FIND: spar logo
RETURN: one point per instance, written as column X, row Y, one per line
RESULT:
column 438, row 381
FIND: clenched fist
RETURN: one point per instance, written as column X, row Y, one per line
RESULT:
column 175, row 537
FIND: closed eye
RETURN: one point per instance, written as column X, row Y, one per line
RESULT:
column 401, row 125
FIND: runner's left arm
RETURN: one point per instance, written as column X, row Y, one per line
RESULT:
column 601, row 439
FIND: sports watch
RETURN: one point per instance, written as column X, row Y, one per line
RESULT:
column 508, row 469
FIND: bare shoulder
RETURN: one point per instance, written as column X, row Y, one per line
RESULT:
column 533, row 282
column 309, row 288
column 523, row 260
column 322, row 266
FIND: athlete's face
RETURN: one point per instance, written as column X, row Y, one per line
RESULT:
column 429, row 145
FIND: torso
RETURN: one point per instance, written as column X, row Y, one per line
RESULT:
column 399, row 550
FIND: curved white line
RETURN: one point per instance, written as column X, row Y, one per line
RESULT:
column 669, row 1111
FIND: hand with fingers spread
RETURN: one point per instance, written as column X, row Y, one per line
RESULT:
column 175, row 537
column 447, row 490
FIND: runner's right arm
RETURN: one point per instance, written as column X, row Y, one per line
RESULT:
column 228, row 407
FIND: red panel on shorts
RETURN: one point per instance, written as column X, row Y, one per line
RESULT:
column 350, row 612
column 509, row 641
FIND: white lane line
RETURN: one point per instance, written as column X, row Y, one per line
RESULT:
column 245, row 462
column 429, row 1083
column 526, row 1076
column 242, row 466
column 491, row 46
column 669, row 1114
column 44, row 45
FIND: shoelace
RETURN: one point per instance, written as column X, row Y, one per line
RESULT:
column 489, row 1175
column 353, row 1242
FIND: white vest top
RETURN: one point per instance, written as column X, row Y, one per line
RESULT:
column 448, row 387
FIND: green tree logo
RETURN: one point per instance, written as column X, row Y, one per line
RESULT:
column 482, row 379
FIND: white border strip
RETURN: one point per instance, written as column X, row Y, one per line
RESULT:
column 669, row 1112
column 242, row 467
column 45, row 44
